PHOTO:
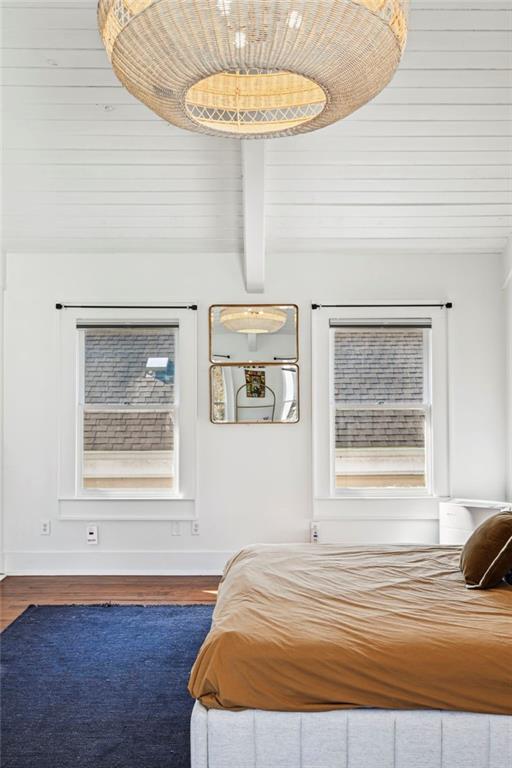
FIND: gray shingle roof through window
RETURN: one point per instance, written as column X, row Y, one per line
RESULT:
column 374, row 366
column 115, row 366
column 378, row 365
column 129, row 431
column 116, row 375
column 379, row 429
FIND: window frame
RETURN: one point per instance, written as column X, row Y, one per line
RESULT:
column 71, row 405
column 425, row 408
column 174, row 408
column 324, row 439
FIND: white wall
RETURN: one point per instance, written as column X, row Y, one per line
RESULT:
column 2, row 282
column 508, row 313
column 254, row 481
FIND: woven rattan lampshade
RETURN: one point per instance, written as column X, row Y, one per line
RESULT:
column 253, row 68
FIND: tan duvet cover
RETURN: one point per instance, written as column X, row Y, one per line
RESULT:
column 318, row 627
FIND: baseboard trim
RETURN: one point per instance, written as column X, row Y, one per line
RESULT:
column 112, row 563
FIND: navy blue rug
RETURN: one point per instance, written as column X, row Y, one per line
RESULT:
column 99, row 686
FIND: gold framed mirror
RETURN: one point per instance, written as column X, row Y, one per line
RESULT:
column 254, row 333
column 254, row 394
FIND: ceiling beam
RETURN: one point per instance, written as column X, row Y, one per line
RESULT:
column 253, row 185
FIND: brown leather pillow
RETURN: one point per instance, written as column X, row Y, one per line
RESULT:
column 487, row 555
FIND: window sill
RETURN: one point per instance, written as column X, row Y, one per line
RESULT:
column 126, row 508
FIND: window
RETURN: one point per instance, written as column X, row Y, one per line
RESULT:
column 128, row 410
column 381, row 405
column 128, row 407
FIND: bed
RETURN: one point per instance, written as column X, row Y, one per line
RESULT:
column 322, row 656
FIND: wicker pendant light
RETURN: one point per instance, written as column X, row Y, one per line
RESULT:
column 253, row 68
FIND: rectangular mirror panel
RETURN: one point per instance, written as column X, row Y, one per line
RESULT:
column 254, row 394
column 253, row 333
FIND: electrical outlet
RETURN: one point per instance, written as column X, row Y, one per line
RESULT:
column 315, row 533
column 92, row 534
column 45, row 529
column 195, row 527
column 175, row 528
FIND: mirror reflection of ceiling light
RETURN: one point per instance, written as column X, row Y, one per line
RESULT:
column 253, row 319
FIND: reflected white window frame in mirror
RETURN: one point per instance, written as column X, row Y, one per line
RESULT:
column 254, row 366
column 226, row 359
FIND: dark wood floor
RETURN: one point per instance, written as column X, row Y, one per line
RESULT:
column 18, row 592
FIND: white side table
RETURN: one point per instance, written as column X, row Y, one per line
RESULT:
column 458, row 518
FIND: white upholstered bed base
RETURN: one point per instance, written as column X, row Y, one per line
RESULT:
column 356, row 738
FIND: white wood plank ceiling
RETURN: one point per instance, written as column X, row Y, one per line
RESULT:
column 425, row 167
